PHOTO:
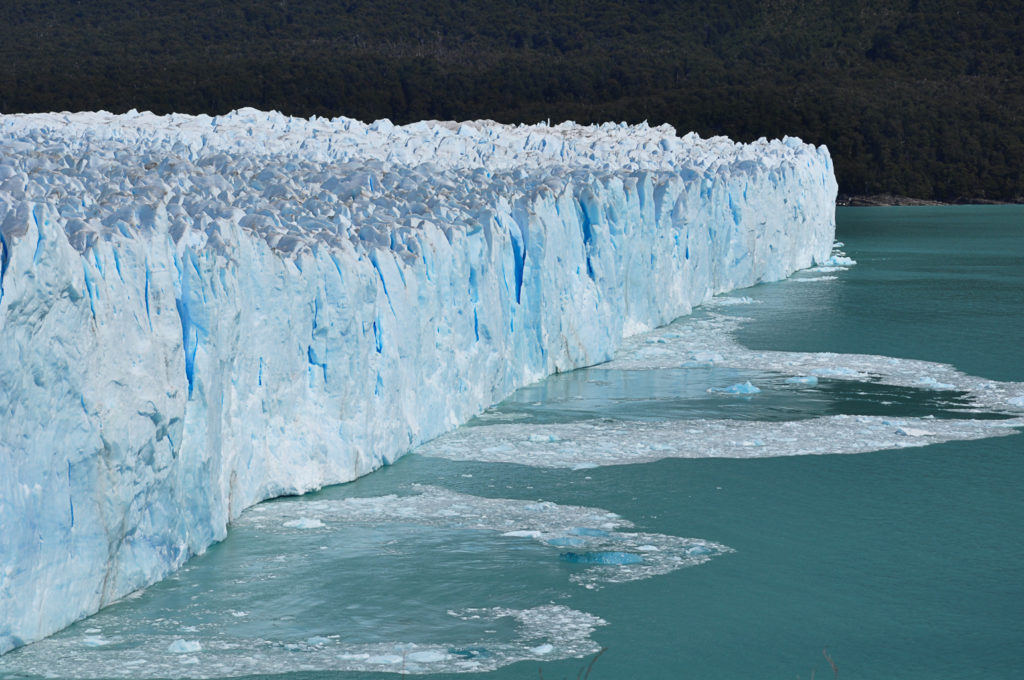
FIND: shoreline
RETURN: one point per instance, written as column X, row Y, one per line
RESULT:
column 893, row 200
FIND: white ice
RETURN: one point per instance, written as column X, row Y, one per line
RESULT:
column 566, row 633
column 579, row 530
column 200, row 313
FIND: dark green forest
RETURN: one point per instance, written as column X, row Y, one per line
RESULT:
column 923, row 98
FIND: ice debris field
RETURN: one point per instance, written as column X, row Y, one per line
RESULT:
column 702, row 355
column 199, row 313
column 219, row 642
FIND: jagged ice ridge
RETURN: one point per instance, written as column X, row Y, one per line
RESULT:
column 200, row 313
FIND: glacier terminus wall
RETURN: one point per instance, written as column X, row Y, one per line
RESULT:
column 199, row 313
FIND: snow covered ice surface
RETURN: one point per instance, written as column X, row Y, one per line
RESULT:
column 701, row 344
column 200, row 313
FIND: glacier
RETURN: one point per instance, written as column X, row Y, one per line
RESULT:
column 198, row 313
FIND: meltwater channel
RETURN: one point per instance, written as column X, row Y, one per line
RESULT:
column 688, row 508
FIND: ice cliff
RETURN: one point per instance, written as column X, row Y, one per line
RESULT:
column 199, row 313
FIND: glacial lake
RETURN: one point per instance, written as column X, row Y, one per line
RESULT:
column 824, row 470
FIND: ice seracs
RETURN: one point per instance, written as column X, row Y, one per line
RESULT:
column 199, row 313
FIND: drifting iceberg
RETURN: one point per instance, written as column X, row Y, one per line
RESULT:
column 200, row 313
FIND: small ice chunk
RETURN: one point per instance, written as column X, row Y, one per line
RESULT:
column 839, row 260
column 602, row 557
column 180, row 646
column 304, row 523
column 587, row 531
column 542, row 649
column 739, row 388
column 590, row 466
column 1016, row 401
column 427, row 656
column 837, row 371
column 913, row 432
column 566, row 542
column 469, row 652
column 704, row 358
column 934, row 384
column 729, row 301
column 522, row 533
column 803, row 380
column 94, row 641
column 543, row 438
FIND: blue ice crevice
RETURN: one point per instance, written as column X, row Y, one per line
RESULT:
column 90, row 288
column 384, row 284
column 189, row 341
column 4, row 259
column 519, row 257
column 39, row 236
column 314, row 361
column 315, row 357
column 191, row 330
column 586, row 224
column 149, row 319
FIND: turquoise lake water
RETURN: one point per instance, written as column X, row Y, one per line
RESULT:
column 893, row 543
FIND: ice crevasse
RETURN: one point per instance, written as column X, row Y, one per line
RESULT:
column 198, row 313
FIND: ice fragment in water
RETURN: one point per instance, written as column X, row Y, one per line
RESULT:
column 913, row 432
column 602, row 557
column 928, row 381
column 566, row 542
column 739, row 388
column 180, row 646
column 304, row 523
column 587, row 531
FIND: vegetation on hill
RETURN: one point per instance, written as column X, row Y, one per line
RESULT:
column 917, row 97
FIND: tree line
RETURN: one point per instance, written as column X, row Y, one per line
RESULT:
column 923, row 98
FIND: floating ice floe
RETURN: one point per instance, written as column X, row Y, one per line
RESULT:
column 738, row 388
column 713, row 333
column 708, row 342
column 836, row 262
column 564, row 632
column 585, row 444
column 598, row 538
column 932, row 383
column 304, row 523
column 180, row 646
column 595, row 546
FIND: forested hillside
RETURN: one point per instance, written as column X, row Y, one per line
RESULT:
column 917, row 97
